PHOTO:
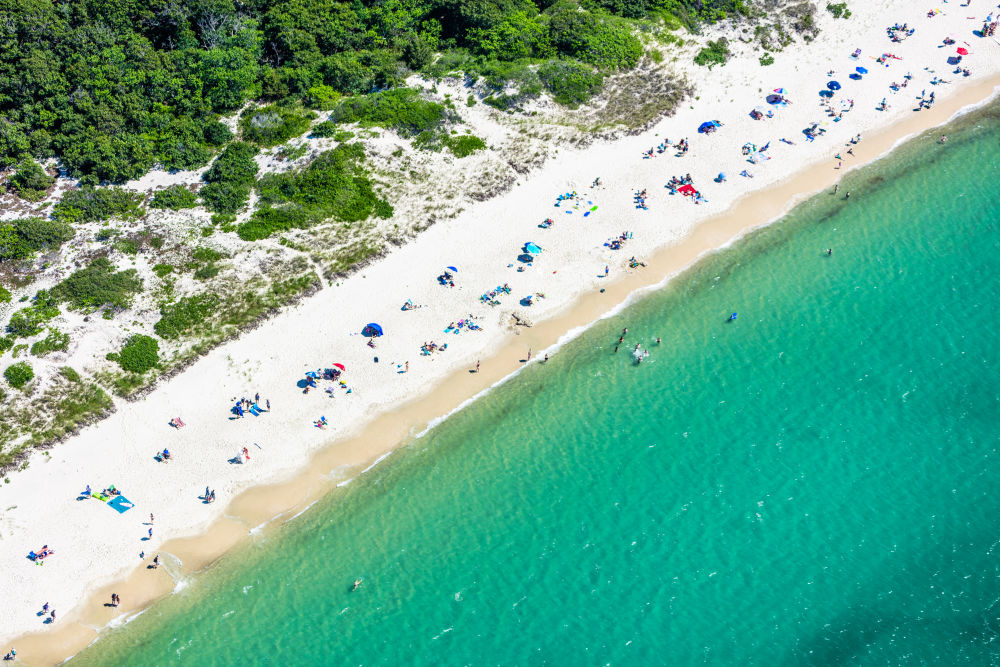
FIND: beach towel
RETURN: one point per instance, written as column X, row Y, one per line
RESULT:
column 100, row 496
column 254, row 410
column 120, row 504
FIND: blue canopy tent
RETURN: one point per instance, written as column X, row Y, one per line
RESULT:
column 372, row 330
column 531, row 247
column 861, row 70
column 709, row 126
column 833, row 85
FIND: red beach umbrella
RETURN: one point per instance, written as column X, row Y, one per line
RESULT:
column 962, row 51
column 340, row 366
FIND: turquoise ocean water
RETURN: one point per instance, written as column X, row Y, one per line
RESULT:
column 815, row 483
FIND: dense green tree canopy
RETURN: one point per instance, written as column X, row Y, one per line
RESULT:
column 116, row 87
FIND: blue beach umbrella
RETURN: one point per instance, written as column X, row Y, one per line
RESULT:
column 861, row 70
column 833, row 85
column 372, row 330
column 451, row 268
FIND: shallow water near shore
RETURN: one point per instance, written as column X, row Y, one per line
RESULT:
column 812, row 483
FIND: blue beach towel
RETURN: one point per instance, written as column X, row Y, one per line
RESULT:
column 120, row 504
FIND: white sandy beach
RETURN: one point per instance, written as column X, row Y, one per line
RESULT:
column 95, row 546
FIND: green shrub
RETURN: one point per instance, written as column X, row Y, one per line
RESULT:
column 224, row 197
column 766, row 59
column 55, row 341
column 28, row 322
column 715, row 53
column 465, row 144
column 22, row 238
column 234, row 165
column 206, row 272
column 570, row 83
column 127, row 246
column 19, row 374
column 156, row 242
column 273, row 125
column 98, row 285
column 598, row 39
column 6, row 342
column 334, row 185
column 89, row 204
column 204, row 254
column 839, row 10
column 400, row 109
column 70, row 374
column 139, row 354
column 5, row 295
column 322, row 97
column 175, row 198
column 30, row 181
column 230, row 178
column 181, row 318
column 325, row 129
column 163, row 269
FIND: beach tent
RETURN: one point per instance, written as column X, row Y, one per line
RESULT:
column 686, row 190
column 709, row 126
column 340, row 366
column 775, row 99
column 861, row 70
column 532, row 248
column 826, row 93
column 371, row 329
column 833, row 85
column 451, row 268
column 780, row 91
column 721, row 177
column 962, row 51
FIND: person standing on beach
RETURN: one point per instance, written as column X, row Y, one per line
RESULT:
column 477, row 365
column 150, row 518
column 150, row 533
column 529, row 355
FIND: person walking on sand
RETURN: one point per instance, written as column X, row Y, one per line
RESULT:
column 268, row 401
column 150, row 533
column 150, row 517
column 477, row 365
column 45, row 608
column 529, row 355
column 406, row 368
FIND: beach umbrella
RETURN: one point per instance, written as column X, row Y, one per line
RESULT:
column 451, row 268
column 532, row 248
column 833, row 85
column 962, row 51
column 775, row 99
column 312, row 374
column 861, row 70
column 371, row 329
column 340, row 366
column 780, row 91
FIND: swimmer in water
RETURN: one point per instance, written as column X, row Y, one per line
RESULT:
column 829, row 252
column 357, row 585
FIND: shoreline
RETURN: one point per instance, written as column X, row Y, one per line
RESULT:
column 264, row 508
